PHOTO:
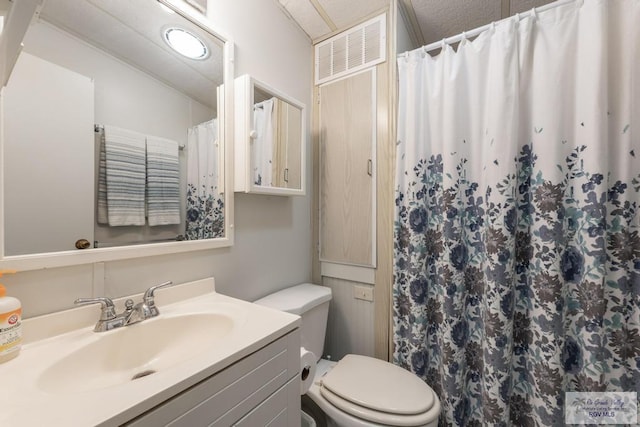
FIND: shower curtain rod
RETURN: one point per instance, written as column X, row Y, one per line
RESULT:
column 479, row 30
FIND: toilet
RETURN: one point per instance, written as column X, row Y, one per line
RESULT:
column 356, row 391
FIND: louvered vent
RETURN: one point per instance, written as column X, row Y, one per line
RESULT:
column 352, row 50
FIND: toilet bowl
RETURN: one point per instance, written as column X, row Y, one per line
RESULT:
column 355, row 391
column 306, row 420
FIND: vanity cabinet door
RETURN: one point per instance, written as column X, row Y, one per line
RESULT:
column 279, row 409
column 258, row 387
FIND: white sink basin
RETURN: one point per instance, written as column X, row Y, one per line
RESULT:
column 134, row 352
column 68, row 375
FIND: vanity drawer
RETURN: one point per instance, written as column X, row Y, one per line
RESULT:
column 227, row 396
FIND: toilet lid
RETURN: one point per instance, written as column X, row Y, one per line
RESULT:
column 381, row 418
column 378, row 386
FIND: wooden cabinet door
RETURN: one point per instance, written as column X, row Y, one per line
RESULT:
column 347, row 170
column 292, row 116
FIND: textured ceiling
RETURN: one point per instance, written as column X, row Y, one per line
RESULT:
column 428, row 20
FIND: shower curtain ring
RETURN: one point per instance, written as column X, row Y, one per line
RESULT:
column 463, row 40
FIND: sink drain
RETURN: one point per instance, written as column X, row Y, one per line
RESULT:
column 143, row 374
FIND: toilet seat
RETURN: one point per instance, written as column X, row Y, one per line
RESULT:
column 379, row 392
column 379, row 418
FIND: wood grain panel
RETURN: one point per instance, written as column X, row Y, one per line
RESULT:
column 346, row 188
column 286, row 166
column 350, row 329
column 385, row 200
column 294, row 145
column 279, row 157
column 315, row 188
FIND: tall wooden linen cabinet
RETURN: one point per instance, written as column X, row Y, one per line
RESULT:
column 353, row 178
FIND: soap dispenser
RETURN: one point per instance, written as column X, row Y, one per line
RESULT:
column 10, row 323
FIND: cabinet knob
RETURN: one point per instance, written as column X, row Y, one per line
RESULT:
column 253, row 134
column 82, row 244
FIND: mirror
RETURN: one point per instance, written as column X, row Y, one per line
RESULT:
column 270, row 140
column 112, row 139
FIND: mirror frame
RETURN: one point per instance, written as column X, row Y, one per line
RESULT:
column 77, row 257
column 244, row 93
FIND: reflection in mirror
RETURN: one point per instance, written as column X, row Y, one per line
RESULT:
column 273, row 129
column 5, row 6
column 111, row 137
column 277, row 141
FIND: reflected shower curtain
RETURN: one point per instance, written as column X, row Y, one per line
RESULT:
column 205, row 203
column 262, row 151
column 517, row 246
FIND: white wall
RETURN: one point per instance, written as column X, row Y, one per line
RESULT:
column 403, row 39
column 272, row 234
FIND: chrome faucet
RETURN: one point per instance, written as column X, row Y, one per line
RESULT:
column 108, row 317
column 145, row 309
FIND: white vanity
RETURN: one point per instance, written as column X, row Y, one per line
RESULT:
column 207, row 359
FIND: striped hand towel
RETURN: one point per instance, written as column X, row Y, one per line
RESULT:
column 103, row 211
column 163, row 181
column 121, row 182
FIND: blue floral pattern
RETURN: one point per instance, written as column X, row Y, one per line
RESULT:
column 506, row 297
column 205, row 214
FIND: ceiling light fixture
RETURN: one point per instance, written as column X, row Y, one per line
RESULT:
column 185, row 43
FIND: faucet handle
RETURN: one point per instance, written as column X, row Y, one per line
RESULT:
column 150, row 293
column 148, row 303
column 108, row 308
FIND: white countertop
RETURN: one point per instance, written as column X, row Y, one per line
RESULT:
column 50, row 338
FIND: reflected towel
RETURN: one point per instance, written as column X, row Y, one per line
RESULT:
column 103, row 212
column 163, row 181
column 121, row 178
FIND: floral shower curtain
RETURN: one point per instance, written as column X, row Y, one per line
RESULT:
column 205, row 203
column 517, row 246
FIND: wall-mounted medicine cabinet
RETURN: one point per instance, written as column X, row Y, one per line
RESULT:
column 269, row 140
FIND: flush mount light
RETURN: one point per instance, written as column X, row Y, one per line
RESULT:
column 185, row 43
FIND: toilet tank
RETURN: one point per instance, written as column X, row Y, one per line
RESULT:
column 311, row 303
